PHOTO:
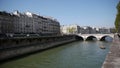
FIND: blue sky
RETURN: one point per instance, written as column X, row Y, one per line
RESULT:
column 95, row 13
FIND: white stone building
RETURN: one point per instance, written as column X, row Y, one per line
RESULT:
column 104, row 30
column 6, row 23
column 27, row 23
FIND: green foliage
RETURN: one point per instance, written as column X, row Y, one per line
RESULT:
column 117, row 21
column 71, row 29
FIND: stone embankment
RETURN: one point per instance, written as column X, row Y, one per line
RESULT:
column 12, row 47
column 113, row 58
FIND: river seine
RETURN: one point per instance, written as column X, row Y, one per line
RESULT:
column 73, row 55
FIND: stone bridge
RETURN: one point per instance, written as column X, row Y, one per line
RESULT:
column 100, row 37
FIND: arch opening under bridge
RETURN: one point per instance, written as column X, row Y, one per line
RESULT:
column 91, row 38
column 79, row 38
column 106, row 38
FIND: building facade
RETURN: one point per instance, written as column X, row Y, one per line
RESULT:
column 104, row 30
column 87, row 30
column 23, row 23
column 28, row 23
column 76, row 29
column 6, row 22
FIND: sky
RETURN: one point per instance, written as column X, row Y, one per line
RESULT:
column 94, row 13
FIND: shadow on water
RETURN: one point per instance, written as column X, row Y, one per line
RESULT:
column 77, row 54
column 107, row 39
column 31, row 53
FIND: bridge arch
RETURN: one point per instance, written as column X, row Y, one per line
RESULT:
column 91, row 38
column 106, row 38
column 80, row 38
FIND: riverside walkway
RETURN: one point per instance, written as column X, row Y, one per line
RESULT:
column 113, row 58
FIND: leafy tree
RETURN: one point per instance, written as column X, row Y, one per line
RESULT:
column 117, row 21
column 71, row 29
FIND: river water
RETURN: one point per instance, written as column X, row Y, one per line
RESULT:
column 73, row 55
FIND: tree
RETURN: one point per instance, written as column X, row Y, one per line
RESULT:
column 71, row 30
column 117, row 21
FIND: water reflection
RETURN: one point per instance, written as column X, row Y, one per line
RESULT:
column 86, row 54
column 109, row 39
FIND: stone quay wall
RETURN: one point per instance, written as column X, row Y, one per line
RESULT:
column 113, row 57
column 12, row 47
